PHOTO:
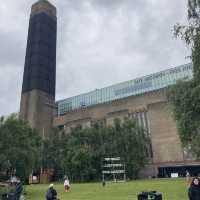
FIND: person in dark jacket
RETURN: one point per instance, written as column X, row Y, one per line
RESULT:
column 194, row 189
column 51, row 193
column 18, row 189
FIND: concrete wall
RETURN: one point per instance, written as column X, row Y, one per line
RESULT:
column 165, row 140
column 118, row 108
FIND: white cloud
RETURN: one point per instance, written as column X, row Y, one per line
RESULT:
column 100, row 42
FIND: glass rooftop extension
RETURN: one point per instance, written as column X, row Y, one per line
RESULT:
column 128, row 88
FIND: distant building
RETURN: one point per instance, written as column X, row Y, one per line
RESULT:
column 141, row 99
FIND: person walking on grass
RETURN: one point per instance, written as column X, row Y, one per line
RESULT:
column 194, row 189
column 187, row 177
column 66, row 184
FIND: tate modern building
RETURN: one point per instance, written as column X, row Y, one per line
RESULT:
column 142, row 99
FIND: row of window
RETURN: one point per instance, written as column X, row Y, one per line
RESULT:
column 128, row 88
column 141, row 119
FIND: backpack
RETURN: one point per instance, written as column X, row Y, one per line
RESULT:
column 49, row 195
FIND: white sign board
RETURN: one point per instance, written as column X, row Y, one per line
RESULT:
column 174, row 175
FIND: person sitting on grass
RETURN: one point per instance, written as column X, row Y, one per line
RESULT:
column 51, row 193
column 194, row 189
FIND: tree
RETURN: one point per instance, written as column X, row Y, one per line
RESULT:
column 83, row 152
column 19, row 147
column 52, row 151
column 191, row 35
column 185, row 96
column 130, row 142
column 84, row 149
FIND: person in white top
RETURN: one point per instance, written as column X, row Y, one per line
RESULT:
column 66, row 184
column 188, row 178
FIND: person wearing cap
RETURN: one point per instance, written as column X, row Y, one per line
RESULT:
column 51, row 193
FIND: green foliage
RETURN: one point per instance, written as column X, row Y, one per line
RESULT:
column 191, row 35
column 6, row 189
column 82, row 150
column 185, row 96
column 52, row 150
column 78, row 154
column 19, row 147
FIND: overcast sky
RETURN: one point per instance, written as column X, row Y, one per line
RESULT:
column 100, row 42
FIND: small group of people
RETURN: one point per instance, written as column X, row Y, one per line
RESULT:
column 18, row 192
column 52, row 193
column 193, row 190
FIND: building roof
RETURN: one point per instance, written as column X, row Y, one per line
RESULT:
column 133, row 87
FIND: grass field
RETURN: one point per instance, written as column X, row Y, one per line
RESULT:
column 172, row 189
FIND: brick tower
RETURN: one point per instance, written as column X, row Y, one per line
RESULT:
column 38, row 89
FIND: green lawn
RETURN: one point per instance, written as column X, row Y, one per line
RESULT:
column 172, row 189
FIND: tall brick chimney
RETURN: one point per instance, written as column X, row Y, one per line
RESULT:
column 39, row 80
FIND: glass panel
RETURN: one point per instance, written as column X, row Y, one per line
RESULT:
column 129, row 88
